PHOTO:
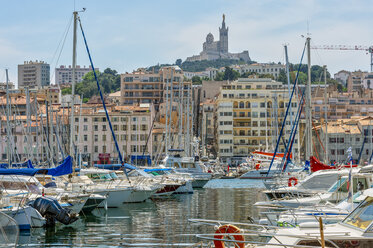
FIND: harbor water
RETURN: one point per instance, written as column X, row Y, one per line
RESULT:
column 155, row 223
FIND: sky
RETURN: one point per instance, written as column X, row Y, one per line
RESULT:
column 125, row 35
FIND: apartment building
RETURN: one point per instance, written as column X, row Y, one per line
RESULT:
column 143, row 86
column 3, row 86
column 131, row 125
column 33, row 74
column 354, row 81
column 250, row 112
column 260, row 68
column 93, row 138
column 356, row 132
column 64, row 74
column 342, row 105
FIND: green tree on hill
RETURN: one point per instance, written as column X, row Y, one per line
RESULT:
column 109, row 82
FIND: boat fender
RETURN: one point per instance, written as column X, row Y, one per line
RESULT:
column 228, row 229
column 292, row 181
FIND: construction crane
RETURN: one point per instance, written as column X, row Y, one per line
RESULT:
column 368, row 49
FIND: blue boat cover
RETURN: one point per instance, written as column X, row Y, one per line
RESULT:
column 23, row 171
column 66, row 167
column 27, row 164
column 158, row 169
column 114, row 166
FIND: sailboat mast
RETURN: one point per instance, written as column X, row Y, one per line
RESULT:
column 266, row 111
column 51, row 132
column 326, row 118
column 7, row 119
column 166, row 114
column 28, row 114
column 308, row 105
column 72, row 129
column 181, row 93
column 188, row 124
column 171, row 108
column 288, row 77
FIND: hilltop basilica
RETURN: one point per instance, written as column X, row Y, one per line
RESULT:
column 218, row 49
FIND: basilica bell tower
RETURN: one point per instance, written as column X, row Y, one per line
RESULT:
column 223, row 40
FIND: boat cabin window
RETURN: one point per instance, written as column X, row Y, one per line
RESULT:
column 362, row 216
column 319, row 181
column 27, row 186
column 358, row 182
column 113, row 175
column 337, row 185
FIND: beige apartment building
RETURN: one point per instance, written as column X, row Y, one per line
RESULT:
column 93, row 138
column 260, row 68
column 33, row 74
column 343, row 134
column 143, row 86
column 342, row 105
column 131, row 125
column 249, row 113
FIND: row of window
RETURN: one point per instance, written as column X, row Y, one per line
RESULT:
column 225, row 123
column 226, row 141
column 113, row 119
column 122, row 137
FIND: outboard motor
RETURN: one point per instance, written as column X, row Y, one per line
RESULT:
column 51, row 210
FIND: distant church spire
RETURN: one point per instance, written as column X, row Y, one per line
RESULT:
column 223, row 38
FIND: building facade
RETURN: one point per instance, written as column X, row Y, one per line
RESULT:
column 143, row 86
column 33, row 74
column 341, row 105
column 92, row 136
column 249, row 113
column 64, row 74
column 342, row 134
column 260, row 68
column 342, row 77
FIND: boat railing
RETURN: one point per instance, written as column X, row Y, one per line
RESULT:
column 264, row 231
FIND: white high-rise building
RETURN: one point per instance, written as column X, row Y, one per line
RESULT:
column 33, row 74
column 63, row 75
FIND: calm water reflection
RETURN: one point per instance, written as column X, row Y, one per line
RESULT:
column 154, row 222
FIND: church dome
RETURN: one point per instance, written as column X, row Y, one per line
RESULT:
column 210, row 38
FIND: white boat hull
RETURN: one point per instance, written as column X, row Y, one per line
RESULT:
column 26, row 217
column 185, row 189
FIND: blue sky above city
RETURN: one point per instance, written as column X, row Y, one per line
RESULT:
column 125, row 35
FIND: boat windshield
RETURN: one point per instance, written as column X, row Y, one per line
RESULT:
column 106, row 176
column 362, row 216
column 113, row 175
column 337, row 185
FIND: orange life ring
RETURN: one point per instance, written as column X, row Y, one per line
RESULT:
column 257, row 166
column 292, row 181
column 228, row 229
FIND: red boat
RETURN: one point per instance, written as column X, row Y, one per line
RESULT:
column 316, row 165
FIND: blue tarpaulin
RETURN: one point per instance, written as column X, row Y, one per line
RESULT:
column 159, row 169
column 66, row 167
column 27, row 164
column 114, row 166
column 23, row 172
